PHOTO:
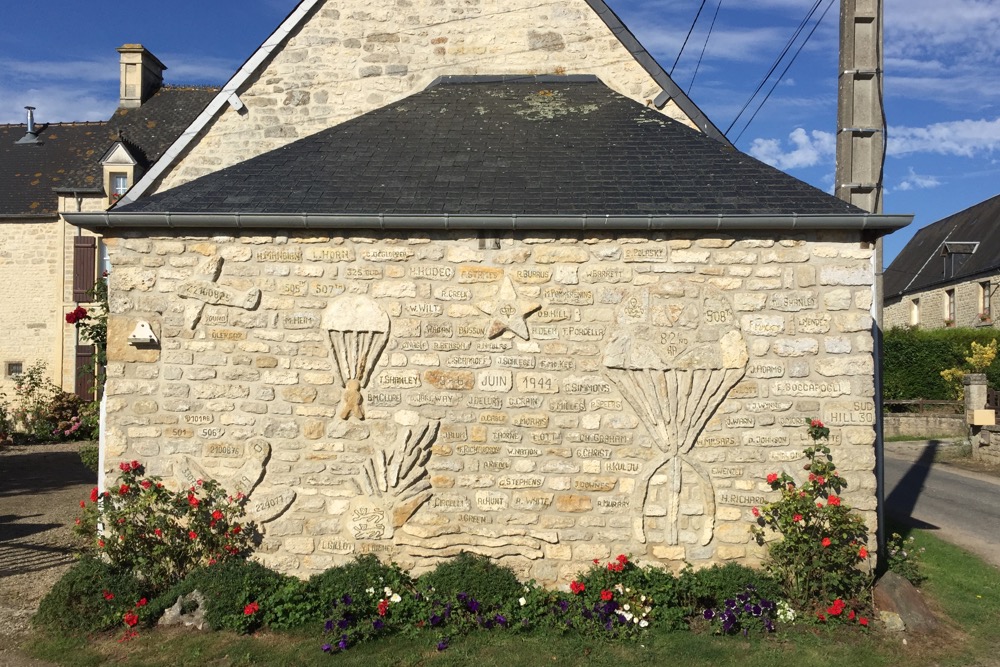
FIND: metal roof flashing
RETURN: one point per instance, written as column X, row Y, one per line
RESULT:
column 109, row 220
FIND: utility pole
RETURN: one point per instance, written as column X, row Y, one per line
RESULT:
column 861, row 143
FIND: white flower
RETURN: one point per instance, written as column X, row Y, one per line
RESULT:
column 522, row 601
column 625, row 615
column 370, row 591
column 395, row 598
column 628, row 590
column 387, row 591
column 626, row 607
column 642, row 599
column 635, row 621
column 643, row 624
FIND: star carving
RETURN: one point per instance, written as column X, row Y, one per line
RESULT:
column 508, row 311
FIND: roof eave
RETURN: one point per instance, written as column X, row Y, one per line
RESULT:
column 879, row 224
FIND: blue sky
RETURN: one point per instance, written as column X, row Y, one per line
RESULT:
column 942, row 77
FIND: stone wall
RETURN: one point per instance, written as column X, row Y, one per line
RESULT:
column 30, row 273
column 924, row 426
column 932, row 306
column 559, row 399
column 351, row 57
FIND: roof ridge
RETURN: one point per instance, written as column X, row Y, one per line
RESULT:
column 62, row 123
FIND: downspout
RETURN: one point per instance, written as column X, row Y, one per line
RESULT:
column 881, row 565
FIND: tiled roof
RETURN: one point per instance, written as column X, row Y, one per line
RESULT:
column 148, row 130
column 29, row 172
column 492, row 145
column 920, row 265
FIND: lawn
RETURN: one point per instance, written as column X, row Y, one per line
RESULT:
column 964, row 590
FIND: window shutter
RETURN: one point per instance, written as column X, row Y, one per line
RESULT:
column 85, row 372
column 84, row 267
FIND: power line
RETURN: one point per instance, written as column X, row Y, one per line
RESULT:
column 703, row 47
column 777, row 61
column 690, row 30
column 784, row 71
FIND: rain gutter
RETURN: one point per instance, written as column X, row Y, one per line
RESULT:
column 398, row 222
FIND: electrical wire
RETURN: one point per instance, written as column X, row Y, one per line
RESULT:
column 777, row 61
column 784, row 71
column 703, row 47
column 690, row 30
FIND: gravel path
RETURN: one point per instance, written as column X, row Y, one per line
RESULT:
column 40, row 491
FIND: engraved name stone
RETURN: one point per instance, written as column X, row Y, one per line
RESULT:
column 449, row 293
column 568, row 296
column 399, row 379
column 537, row 383
column 383, row 399
column 386, row 254
column 364, row 273
column 530, row 402
column 279, row 255
column 520, row 482
column 644, row 253
column 432, row 272
column 487, row 402
column 497, row 381
column 515, row 362
column 330, row 254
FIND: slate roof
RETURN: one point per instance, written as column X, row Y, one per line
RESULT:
column 29, row 172
column 920, row 265
column 147, row 131
column 488, row 145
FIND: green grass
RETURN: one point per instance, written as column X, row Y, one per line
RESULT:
column 963, row 588
column 922, row 438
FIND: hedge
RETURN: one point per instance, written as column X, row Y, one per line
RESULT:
column 914, row 358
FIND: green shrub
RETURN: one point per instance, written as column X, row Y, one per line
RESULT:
column 477, row 576
column 160, row 534
column 292, row 605
column 90, row 456
column 235, row 592
column 914, row 358
column 903, row 558
column 822, row 543
column 92, row 596
column 712, row 586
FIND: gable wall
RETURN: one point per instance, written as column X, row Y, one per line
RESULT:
column 540, row 452
column 932, row 305
column 352, row 57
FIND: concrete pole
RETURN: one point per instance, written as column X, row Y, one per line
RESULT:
column 861, row 135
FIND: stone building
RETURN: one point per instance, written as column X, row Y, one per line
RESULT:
column 471, row 277
column 948, row 273
column 47, row 266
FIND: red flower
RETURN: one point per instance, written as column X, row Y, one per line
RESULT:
column 825, row 542
column 145, row 483
column 622, row 559
column 141, row 602
column 577, row 587
column 124, row 467
column 236, row 529
column 821, row 617
column 83, row 503
column 816, row 423
column 75, row 315
column 812, row 477
column 850, row 615
column 755, row 511
column 100, row 544
column 596, row 561
column 607, row 595
column 94, row 495
column 863, row 621
column 193, row 535
column 863, row 553
column 772, row 478
column 251, row 609
column 821, row 479
column 130, row 618
column 158, row 532
column 383, row 607
column 833, row 500
column 192, row 500
column 135, row 465
column 797, row 517
column 123, row 489
column 108, row 595
column 217, row 514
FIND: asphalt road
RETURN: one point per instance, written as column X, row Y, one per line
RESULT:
column 962, row 507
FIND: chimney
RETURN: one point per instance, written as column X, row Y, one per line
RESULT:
column 31, row 136
column 141, row 75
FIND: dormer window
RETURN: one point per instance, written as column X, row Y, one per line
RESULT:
column 119, row 185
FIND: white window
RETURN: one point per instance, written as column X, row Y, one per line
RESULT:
column 915, row 313
column 984, row 301
column 949, row 307
column 119, row 185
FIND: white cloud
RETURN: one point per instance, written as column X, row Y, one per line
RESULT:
column 807, row 149
column 964, row 138
column 915, row 181
column 56, row 103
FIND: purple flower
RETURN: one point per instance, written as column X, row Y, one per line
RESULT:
column 342, row 644
column 462, row 597
column 326, row 648
column 756, row 610
column 328, row 625
column 768, row 625
column 436, row 620
column 500, row 619
column 473, row 605
column 563, row 604
column 347, row 599
column 709, row 614
column 343, row 623
column 443, row 644
column 730, row 603
column 378, row 624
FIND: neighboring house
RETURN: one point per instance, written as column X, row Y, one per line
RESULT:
column 47, row 267
column 478, row 277
column 948, row 274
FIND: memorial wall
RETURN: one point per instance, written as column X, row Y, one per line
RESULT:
column 559, row 399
